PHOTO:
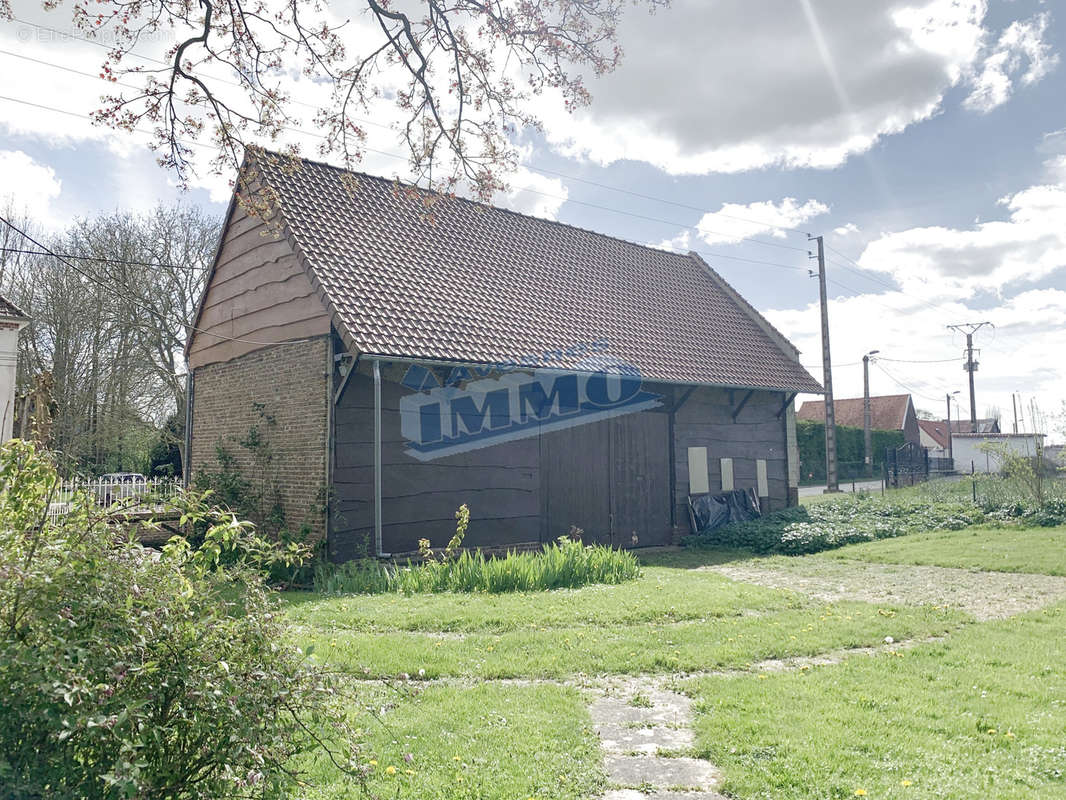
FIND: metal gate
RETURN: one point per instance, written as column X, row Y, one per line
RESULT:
column 906, row 465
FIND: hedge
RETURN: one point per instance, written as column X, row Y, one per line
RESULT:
column 850, row 450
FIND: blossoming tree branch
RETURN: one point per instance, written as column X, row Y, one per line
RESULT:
column 458, row 76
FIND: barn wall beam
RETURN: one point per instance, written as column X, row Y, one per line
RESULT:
column 743, row 402
column 789, row 397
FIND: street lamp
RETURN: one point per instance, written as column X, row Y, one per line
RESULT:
column 949, row 398
column 866, row 435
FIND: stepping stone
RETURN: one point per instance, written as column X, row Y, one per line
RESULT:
column 690, row 773
column 618, row 711
column 621, row 739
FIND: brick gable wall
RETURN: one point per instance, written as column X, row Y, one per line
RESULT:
column 290, row 382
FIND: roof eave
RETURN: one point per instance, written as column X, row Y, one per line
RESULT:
column 409, row 359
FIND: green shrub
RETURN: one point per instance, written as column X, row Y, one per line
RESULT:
column 131, row 674
column 850, row 519
column 564, row 564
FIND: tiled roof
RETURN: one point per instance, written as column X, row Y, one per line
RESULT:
column 9, row 309
column 989, row 425
column 887, row 413
column 936, row 429
column 473, row 283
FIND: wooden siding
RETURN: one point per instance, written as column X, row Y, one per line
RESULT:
column 611, row 477
column 500, row 484
column 705, row 419
column 259, row 292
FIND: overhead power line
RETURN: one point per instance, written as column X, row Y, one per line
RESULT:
column 374, row 123
column 548, row 195
column 905, row 386
column 136, row 302
column 28, row 252
column 709, row 253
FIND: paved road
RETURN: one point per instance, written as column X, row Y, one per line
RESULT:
column 863, row 485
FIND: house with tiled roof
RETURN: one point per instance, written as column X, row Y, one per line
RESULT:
column 893, row 412
column 403, row 353
column 936, row 434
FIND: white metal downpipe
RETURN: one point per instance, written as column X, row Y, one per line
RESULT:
column 377, row 460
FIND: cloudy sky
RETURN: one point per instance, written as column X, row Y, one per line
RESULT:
column 924, row 139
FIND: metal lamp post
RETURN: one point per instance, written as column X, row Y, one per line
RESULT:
column 866, row 435
column 949, row 398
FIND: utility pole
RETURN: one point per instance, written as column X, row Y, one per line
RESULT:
column 970, row 328
column 948, row 398
column 831, row 483
column 866, row 435
column 1014, row 404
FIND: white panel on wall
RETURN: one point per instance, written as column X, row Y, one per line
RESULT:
column 760, row 477
column 698, row 480
column 727, row 474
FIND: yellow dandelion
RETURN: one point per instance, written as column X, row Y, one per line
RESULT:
column 390, row 770
column 762, row 677
column 456, row 758
column 409, row 772
column 1009, row 735
column 373, row 762
column 991, row 731
column 861, row 793
column 906, row 782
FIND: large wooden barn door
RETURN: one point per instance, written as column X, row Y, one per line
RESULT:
column 609, row 478
column 640, row 485
column 575, row 482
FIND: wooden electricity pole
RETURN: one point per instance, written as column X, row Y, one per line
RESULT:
column 970, row 328
column 831, row 482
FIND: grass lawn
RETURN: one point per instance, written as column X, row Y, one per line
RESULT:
column 982, row 714
column 487, row 742
column 869, row 723
column 674, row 618
column 1036, row 550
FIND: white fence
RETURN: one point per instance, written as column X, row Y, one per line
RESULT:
column 132, row 494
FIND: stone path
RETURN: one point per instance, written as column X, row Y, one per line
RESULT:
column 986, row 595
column 645, row 729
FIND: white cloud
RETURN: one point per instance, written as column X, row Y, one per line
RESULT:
column 533, row 193
column 703, row 89
column 847, row 229
column 33, row 186
column 735, row 222
column 1021, row 44
column 939, row 262
column 682, row 243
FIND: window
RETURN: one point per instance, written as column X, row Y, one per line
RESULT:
column 698, row 480
column 727, row 474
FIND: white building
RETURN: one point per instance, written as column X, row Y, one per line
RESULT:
column 972, row 449
column 12, row 320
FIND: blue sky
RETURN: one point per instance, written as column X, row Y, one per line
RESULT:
column 925, row 139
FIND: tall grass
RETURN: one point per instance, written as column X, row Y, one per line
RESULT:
column 564, row 564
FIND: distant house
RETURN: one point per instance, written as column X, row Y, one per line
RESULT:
column 893, row 412
column 404, row 353
column 935, row 436
column 12, row 320
column 989, row 425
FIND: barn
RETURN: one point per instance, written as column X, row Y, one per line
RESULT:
column 397, row 353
